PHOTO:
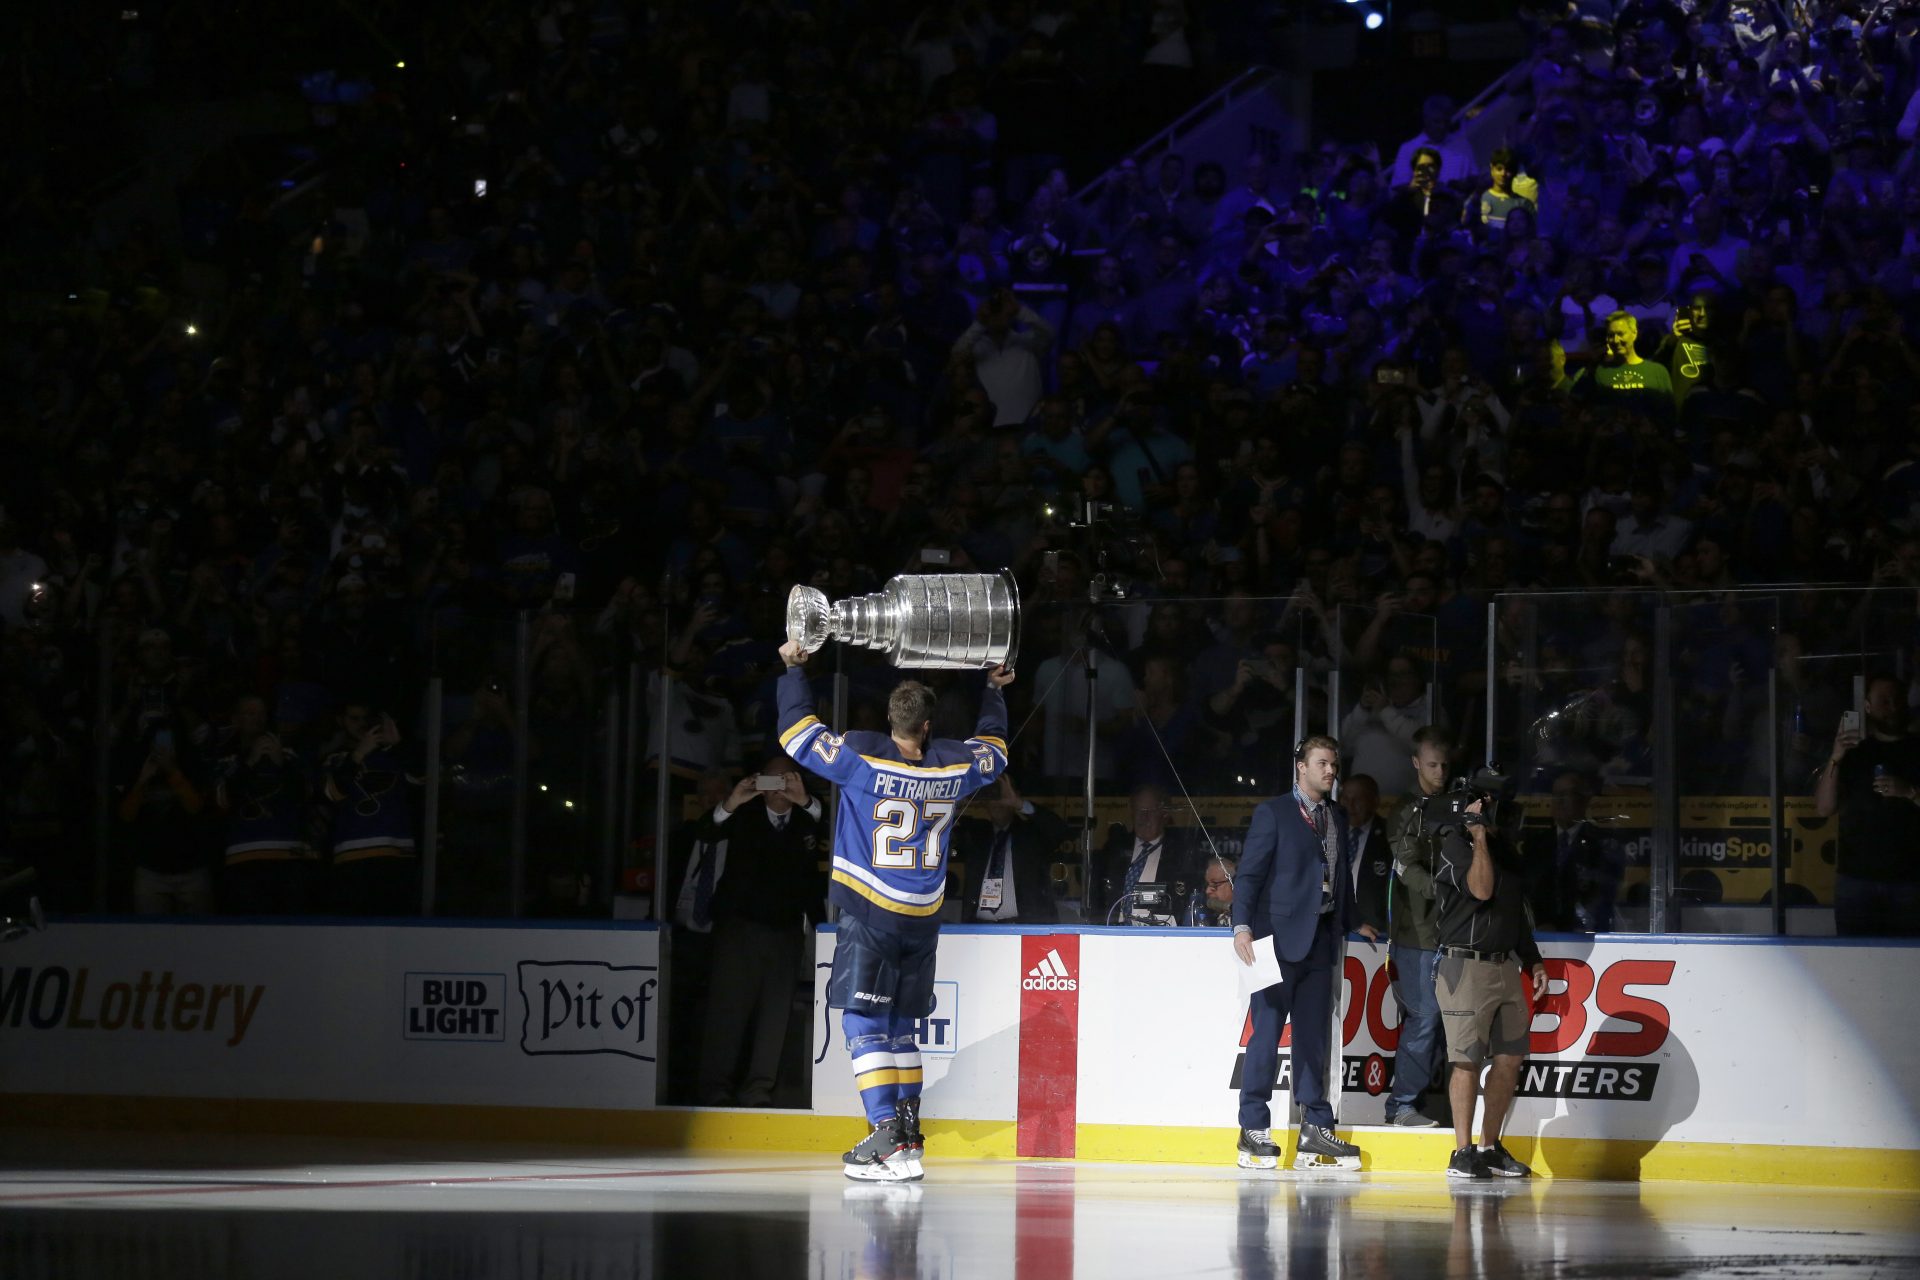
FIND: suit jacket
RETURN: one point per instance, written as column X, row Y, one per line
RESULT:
column 1180, row 859
column 1375, row 860
column 1575, row 893
column 1037, row 838
column 1277, row 890
column 771, row 877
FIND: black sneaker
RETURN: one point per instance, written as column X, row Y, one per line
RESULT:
column 907, row 1113
column 1499, row 1163
column 1466, row 1163
column 1257, row 1150
column 878, row 1157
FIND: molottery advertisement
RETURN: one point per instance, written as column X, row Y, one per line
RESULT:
column 381, row 1013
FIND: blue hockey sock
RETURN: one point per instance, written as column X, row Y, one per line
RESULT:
column 906, row 1054
column 874, row 1072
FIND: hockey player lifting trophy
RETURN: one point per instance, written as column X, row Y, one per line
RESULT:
column 900, row 793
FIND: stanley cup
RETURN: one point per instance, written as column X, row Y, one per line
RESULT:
column 951, row 620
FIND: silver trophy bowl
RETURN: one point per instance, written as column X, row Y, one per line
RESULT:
column 930, row 620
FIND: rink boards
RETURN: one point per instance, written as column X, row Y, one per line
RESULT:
column 1721, row 1058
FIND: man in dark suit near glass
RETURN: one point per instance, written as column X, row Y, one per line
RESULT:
column 1294, row 887
column 1573, row 871
column 1009, row 859
column 1150, row 853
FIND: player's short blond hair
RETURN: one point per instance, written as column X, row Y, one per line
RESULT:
column 909, row 707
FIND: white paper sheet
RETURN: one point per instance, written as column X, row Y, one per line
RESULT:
column 1264, row 972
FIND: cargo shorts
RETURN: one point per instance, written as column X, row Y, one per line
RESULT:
column 1483, row 1008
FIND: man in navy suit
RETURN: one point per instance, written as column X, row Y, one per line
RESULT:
column 1294, row 886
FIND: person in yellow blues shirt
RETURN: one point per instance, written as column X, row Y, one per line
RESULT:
column 900, row 792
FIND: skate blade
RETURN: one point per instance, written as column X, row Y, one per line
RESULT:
column 1306, row 1162
column 885, row 1171
column 1258, row 1162
column 911, row 1170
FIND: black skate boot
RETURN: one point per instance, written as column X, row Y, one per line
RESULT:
column 1319, row 1149
column 908, row 1114
column 1257, row 1150
column 880, row 1156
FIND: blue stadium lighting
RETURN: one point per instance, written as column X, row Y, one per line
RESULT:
column 1373, row 21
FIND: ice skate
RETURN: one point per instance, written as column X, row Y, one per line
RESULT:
column 1319, row 1149
column 1257, row 1150
column 878, row 1157
column 908, row 1116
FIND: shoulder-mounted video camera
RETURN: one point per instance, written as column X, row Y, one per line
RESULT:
column 1450, row 808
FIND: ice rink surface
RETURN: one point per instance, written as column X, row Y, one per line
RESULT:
column 80, row 1207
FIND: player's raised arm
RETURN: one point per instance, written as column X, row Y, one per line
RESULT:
column 803, row 735
column 992, row 727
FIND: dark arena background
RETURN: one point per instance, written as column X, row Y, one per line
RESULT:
column 415, row 862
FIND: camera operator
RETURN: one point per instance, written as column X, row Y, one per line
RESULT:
column 1483, row 926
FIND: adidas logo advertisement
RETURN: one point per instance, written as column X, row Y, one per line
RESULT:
column 1050, row 975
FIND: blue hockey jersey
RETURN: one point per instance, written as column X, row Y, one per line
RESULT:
column 266, row 805
column 373, row 814
column 889, row 865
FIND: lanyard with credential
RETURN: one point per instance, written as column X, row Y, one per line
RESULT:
column 1306, row 814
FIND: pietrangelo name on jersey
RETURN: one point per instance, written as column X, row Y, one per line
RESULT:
column 893, row 785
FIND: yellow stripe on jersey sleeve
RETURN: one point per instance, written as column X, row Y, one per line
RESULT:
column 807, row 722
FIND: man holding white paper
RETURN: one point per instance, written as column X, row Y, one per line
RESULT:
column 1294, row 897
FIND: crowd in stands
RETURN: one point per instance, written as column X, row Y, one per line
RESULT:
column 628, row 326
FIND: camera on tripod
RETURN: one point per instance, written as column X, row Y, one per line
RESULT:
column 1110, row 541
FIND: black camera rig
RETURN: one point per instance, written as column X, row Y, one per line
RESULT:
column 1110, row 542
column 1452, row 807
column 20, row 910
